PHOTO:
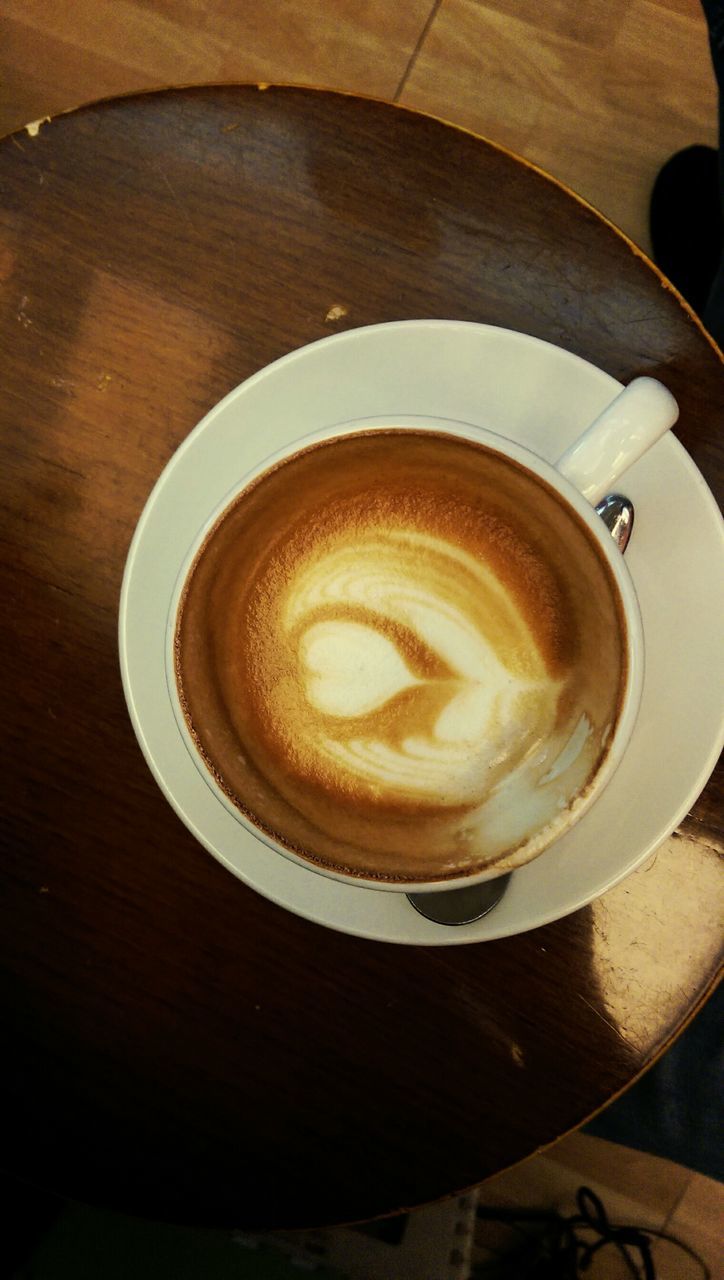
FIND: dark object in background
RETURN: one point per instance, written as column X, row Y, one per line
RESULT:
column 675, row 1110
column 686, row 226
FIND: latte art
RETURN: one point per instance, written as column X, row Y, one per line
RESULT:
column 414, row 675
column 400, row 655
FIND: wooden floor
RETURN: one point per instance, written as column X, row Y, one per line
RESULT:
column 636, row 1189
column 599, row 92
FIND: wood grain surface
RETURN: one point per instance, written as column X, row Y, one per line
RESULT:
column 175, row 1044
column 598, row 94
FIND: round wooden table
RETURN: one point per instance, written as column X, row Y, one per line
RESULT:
column 174, row 1044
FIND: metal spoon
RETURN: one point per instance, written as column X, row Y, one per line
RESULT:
column 617, row 514
column 460, row 906
column 472, row 902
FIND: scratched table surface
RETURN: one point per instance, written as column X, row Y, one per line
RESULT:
column 174, row 1044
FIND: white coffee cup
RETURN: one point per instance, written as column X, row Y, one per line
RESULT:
column 590, row 468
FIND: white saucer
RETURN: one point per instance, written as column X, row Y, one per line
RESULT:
column 531, row 392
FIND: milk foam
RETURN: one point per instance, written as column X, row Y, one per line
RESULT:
column 350, row 669
column 419, row 678
column 401, row 657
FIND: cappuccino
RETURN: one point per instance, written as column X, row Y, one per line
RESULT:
column 401, row 655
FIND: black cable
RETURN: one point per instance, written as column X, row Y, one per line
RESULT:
column 556, row 1252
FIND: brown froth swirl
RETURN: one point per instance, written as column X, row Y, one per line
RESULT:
column 399, row 653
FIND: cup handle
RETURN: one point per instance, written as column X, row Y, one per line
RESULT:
column 628, row 426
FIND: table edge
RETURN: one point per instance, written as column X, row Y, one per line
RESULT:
column 33, row 128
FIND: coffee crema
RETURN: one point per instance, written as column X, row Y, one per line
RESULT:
column 401, row 655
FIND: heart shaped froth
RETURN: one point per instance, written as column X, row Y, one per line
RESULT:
column 400, row 654
column 402, row 668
